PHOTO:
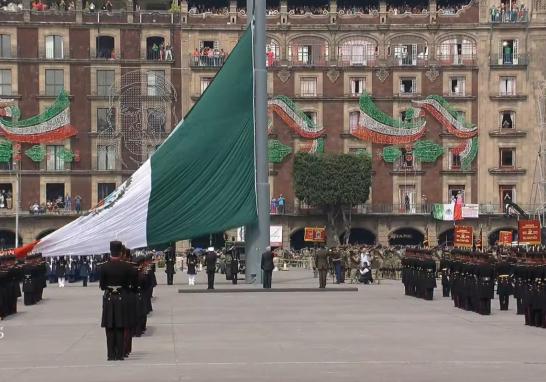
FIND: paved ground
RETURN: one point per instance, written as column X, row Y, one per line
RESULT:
column 376, row 334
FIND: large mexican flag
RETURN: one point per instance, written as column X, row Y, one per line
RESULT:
column 200, row 180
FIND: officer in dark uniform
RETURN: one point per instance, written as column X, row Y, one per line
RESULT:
column 85, row 270
column 444, row 270
column 170, row 261
column 234, row 266
column 505, row 288
column 322, row 265
column 210, row 261
column 267, row 267
column 115, row 281
column 30, row 285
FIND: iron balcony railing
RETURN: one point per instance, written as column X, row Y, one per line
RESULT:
column 509, row 59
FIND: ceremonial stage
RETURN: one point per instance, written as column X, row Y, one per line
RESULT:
column 374, row 334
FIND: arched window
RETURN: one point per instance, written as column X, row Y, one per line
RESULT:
column 457, row 51
column 308, row 51
column 272, row 52
column 357, row 52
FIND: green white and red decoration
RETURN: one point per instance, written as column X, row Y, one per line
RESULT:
column 36, row 153
column 427, row 151
column 278, row 151
column 294, row 118
column 378, row 127
column 316, row 146
column 468, row 150
column 444, row 113
column 391, row 154
column 49, row 126
column 7, row 107
column 6, row 151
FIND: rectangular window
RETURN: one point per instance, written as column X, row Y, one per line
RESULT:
column 354, row 119
column 5, row 82
column 104, row 189
column 5, row 46
column 457, row 86
column 507, row 86
column 407, row 54
column 312, row 115
column 407, row 197
column 106, row 119
column 507, row 157
column 508, row 52
column 105, row 79
column 305, row 54
column 308, row 86
column 54, row 161
column 507, row 193
column 205, row 82
column 106, row 157
column 408, row 86
column 454, row 160
column 358, row 85
column 54, row 82
column 454, row 193
column 507, row 120
column 54, row 47
column 155, row 82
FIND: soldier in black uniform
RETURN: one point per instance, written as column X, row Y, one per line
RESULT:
column 267, row 267
column 115, row 281
column 170, row 261
column 486, row 285
column 210, row 260
column 445, row 265
column 85, row 269
column 234, row 266
column 504, row 273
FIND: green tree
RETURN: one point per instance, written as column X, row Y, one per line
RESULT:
column 335, row 183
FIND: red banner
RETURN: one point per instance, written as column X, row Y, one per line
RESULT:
column 505, row 238
column 529, row 232
column 315, row 234
column 463, row 236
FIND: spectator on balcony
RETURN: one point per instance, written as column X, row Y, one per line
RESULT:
column 2, row 200
column 78, row 203
column 107, row 6
column 195, row 56
column 34, row 208
column 91, row 7
column 222, row 57
column 155, row 51
column 273, row 207
column 281, row 202
column 68, row 204
column 210, row 56
column 270, row 57
column 162, row 52
column 38, row 6
column 9, row 201
column 71, row 6
column 63, row 6
column 168, row 53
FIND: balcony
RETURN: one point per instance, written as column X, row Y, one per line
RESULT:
column 53, row 16
column 309, row 61
column 507, row 171
column 14, row 15
column 518, row 15
column 509, row 61
column 105, row 17
column 158, row 17
column 352, row 60
column 201, row 61
column 457, row 59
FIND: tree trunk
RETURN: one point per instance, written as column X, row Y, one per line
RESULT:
column 346, row 214
column 332, row 237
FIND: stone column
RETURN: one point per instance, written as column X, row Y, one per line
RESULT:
column 79, row 11
column 130, row 11
column 26, row 10
column 382, row 12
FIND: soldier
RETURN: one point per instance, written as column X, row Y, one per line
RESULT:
column 322, row 265
column 485, row 285
column 337, row 262
column 191, row 262
column 115, row 281
column 170, row 260
column 444, row 269
column 29, row 281
column 505, row 288
column 84, row 270
column 234, row 266
column 267, row 267
column 210, row 260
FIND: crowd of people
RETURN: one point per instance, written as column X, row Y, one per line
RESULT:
column 469, row 278
column 514, row 14
column 304, row 9
column 58, row 205
column 197, row 8
column 6, row 199
column 399, row 7
column 160, row 52
column 354, row 9
column 11, row 5
column 207, row 56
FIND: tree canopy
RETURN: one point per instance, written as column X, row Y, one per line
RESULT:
column 334, row 183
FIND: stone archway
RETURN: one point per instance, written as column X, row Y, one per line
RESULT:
column 360, row 236
column 297, row 241
column 406, row 236
column 44, row 233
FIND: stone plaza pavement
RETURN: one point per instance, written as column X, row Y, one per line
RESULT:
column 375, row 334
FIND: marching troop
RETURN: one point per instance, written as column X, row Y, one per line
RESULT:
column 470, row 278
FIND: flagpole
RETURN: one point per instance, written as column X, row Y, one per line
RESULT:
column 257, row 236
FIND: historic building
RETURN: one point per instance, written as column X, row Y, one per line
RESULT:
column 441, row 94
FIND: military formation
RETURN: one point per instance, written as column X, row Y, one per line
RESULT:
column 470, row 278
column 128, row 288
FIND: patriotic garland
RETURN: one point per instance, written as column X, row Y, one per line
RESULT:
column 391, row 154
column 6, row 151
column 469, row 154
column 316, row 146
column 378, row 127
column 427, row 151
column 51, row 125
column 36, row 153
column 277, row 151
column 296, row 119
column 440, row 109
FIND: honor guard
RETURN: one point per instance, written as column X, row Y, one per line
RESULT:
column 170, row 262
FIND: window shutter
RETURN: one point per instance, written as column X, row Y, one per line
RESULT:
column 49, row 47
column 500, row 53
column 515, row 53
column 414, row 54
